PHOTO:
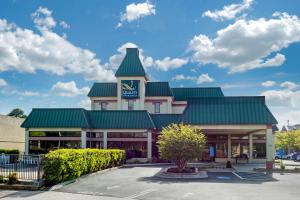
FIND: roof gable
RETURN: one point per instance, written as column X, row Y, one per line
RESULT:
column 131, row 64
column 57, row 117
column 228, row 110
column 183, row 94
column 154, row 89
column 81, row 118
column 103, row 90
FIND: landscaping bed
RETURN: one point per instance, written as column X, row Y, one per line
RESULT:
column 67, row 164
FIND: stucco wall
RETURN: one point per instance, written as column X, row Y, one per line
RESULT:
column 12, row 136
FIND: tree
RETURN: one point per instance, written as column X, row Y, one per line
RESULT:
column 289, row 140
column 180, row 143
column 17, row 112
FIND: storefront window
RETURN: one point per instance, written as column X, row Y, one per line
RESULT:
column 126, row 135
column 54, row 134
column 221, row 150
column 240, row 146
column 259, row 146
column 94, row 134
column 94, row 144
column 133, row 149
column 259, row 150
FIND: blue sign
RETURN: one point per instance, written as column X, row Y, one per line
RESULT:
column 130, row 89
column 211, row 151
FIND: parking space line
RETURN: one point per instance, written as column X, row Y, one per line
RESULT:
column 141, row 193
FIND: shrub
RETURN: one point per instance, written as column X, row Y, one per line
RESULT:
column 12, row 178
column 282, row 166
column 180, row 143
column 2, row 179
column 9, row 151
column 67, row 164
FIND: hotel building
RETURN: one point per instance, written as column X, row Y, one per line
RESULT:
column 131, row 112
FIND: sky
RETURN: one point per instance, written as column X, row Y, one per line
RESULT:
column 51, row 52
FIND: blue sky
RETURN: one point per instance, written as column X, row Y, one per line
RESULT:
column 51, row 52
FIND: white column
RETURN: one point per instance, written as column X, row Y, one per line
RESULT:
column 83, row 139
column 229, row 147
column 250, row 148
column 105, row 139
column 149, row 145
column 26, row 142
column 270, row 148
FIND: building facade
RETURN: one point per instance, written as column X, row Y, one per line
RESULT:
column 11, row 134
column 131, row 112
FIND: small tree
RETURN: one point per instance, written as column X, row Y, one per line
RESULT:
column 289, row 141
column 17, row 112
column 180, row 143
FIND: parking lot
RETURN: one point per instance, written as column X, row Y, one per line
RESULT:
column 140, row 183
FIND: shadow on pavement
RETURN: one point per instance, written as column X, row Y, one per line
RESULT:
column 213, row 177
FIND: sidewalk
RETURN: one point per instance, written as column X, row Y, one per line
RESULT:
column 49, row 195
column 247, row 167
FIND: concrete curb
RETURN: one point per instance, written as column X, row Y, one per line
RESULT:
column 146, row 165
column 60, row 185
column 164, row 174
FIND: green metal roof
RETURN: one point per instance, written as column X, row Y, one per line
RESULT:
column 163, row 120
column 131, row 64
column 183, row 94
column 228, row 110
column 121, row 119
column 154, row 89
column 103, row 90
column 56, row 117
column 81, row 118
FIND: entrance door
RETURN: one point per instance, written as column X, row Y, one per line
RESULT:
column 209, row 152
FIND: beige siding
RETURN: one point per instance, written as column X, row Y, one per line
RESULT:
column 12, row 136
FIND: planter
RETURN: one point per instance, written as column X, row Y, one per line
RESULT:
column 171, row 173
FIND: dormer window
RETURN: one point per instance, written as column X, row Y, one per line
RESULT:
column 130, row 104
column 103, row 105
column 157, row 107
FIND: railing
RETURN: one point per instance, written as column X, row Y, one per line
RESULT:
column 27, row 167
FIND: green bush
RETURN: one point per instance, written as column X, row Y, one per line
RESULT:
column 2, row 179
column 67, row 164
column 12, row 178
column 9, row 151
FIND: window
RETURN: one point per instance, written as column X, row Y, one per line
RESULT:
column 103, row 105
column 130, row 105
column 157, row 107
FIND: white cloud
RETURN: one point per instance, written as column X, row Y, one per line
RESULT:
column 285, row 104
column 289, row 85
column 29, row 94
column 43, row 19
column 115, row 60
column 68, row 89
column 181, row 77
column 85, row 104
column 26, row 51
column 64, row 25
column 168, row 63
column 204, row 78
column 248, row 44
column 136, row 11
column 229, row 11
column 268, row 83
column 3, row 83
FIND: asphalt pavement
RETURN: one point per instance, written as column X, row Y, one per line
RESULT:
column 140, row 183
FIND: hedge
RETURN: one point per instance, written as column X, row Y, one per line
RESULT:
column 9, row 151
column 67, row 164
